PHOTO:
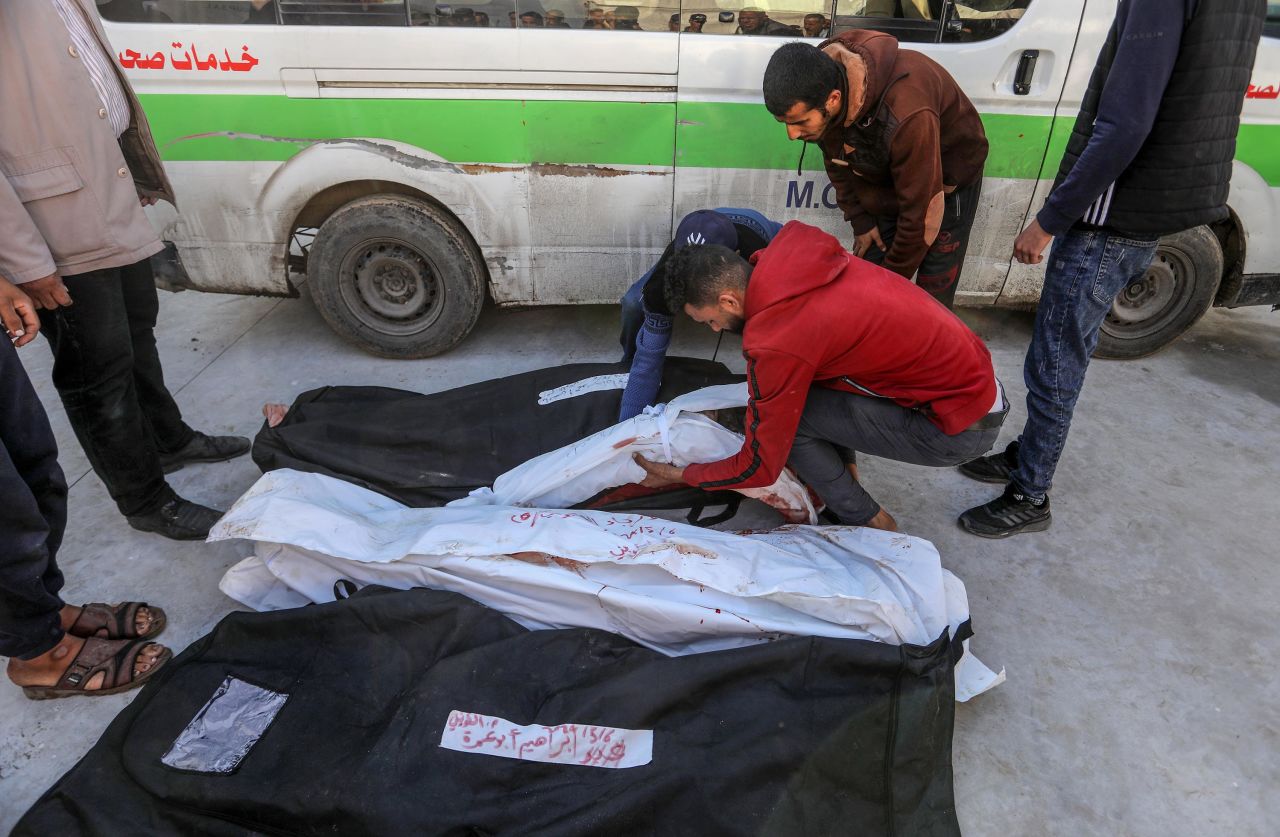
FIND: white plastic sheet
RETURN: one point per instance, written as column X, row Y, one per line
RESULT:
column 673, row 587
column 672, row 432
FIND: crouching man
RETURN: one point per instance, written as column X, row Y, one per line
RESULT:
column 843, row 357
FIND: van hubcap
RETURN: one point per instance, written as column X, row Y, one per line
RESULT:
column 1146, row 305
column 394, row 286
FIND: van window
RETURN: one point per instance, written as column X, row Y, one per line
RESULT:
column 931, row 21
column 486, row 14
column 756, row 18
column 1271, row 28
column 290, row 12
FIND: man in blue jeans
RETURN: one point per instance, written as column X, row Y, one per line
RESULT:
column 646, row 322
column 1150, row 155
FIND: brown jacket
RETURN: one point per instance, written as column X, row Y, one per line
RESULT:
column 69, row 194
column 907, row 136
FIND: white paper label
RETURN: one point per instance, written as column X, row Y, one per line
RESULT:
column 581, row 744
column 596, row 384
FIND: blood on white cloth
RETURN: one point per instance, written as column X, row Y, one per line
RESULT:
column 673, row 587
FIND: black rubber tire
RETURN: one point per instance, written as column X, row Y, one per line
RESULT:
column 1173, row 294
column 396, row 276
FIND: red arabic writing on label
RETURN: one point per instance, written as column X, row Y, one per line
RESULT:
column 1255, row 91
column 582, row 744
column 190, row 59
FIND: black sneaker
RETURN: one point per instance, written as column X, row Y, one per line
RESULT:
column 178, row 519
column 1010, row 513
column 204, row 448
column 994, row 467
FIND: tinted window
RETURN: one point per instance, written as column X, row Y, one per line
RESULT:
column 763, row 18
column 314, row 12
column 931, row 21
column 491, row 14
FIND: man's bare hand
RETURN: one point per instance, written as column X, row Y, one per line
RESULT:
column 18, row 315
column 48, row 293
column 147, row 200
column 1029, row 247
column 862, row 243
column 659, row 473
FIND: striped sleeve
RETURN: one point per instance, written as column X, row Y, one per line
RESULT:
column 778, row 386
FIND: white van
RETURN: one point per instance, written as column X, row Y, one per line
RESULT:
column 410, row 172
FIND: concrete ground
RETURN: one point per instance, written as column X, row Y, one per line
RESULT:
column 1138, row 633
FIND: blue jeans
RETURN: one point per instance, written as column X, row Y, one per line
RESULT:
column 1086, row 270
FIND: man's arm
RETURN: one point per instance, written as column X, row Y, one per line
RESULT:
column 24, row 256
column 779, row 386
column 645, row 377
column 857, row 217
column 17, row 315
column 1150, row 32
column 915, row 158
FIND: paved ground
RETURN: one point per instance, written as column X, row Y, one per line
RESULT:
column 1139, row 633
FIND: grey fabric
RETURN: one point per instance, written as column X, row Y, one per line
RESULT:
column 835, row 425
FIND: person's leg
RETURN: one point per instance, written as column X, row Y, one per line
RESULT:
column 93, row 370
column 1086, row 270
column 939, row 272
column 32, row 517
column 834, row 424
column 632, row 316
column 160, row 411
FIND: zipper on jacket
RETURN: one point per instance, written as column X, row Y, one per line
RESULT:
column 851, row 382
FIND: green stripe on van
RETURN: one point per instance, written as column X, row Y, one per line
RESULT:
column 732, row 135
column 746, row 136
column 1258, row 146
column 250, row 128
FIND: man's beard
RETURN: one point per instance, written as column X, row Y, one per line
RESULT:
column 735, row 325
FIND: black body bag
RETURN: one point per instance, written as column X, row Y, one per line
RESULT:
column 329, row 719
column 425, row 450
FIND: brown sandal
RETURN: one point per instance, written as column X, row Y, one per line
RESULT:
column 104, row 621
column 114, row 658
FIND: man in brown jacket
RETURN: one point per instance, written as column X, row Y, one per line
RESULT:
column 902, row 144
column 78, row 164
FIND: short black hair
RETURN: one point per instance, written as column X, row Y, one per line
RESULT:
column 697, row 276
column 800, row 72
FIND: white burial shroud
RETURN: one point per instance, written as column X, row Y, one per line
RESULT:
column 673, row 587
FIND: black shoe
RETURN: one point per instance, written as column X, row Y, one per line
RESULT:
column 179, row 519
column 994, row 467
column 1008, row 514
column 204, row 448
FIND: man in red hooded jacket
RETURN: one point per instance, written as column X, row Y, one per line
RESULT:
column 842, row 357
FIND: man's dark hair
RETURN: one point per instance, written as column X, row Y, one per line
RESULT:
column 697, row 276
column 800, row 72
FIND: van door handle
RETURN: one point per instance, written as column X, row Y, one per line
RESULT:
column 1026, row 69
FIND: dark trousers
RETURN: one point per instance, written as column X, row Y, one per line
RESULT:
column 107, row 371
column 836, row 425
column 33, row 515
column 939, row 273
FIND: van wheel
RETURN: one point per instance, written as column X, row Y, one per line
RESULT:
column 1175, row 291
column 398, row 277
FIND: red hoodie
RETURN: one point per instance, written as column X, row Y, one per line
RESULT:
column 817, row 315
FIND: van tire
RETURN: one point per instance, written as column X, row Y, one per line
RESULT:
column 396, row 276
column 1169, row 298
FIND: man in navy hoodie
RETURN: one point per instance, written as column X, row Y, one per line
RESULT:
column 1150, row 155
column 843, row 357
